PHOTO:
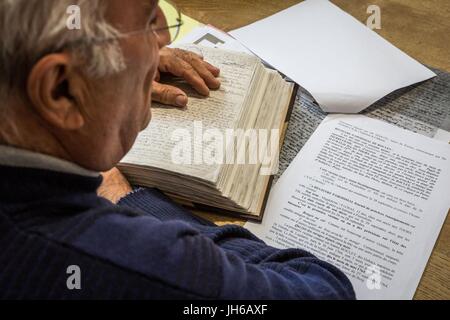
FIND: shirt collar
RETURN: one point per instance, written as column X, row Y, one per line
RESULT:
column 14, row 157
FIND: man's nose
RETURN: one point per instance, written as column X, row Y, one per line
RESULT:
column 163, row 38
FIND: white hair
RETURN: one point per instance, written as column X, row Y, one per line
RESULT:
column 29, row 29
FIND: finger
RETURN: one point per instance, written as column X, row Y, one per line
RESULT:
column 169, row 95
column 203, row 68
column 207, row 76
column 214, row 70
column 181, row 68
column 181, row 53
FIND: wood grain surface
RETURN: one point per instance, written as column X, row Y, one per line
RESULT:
column 420, row 28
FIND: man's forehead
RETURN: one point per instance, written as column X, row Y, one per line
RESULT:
column 149, row 4
column 130, row 14
column 133, row 3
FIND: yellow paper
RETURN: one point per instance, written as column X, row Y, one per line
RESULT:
column 188, row 23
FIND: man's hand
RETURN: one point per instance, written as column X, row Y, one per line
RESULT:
column 201, row 75
column 114, row 186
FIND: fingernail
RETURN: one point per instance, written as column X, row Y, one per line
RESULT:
column 181, row 100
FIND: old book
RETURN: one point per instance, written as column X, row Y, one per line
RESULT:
column 220, row 152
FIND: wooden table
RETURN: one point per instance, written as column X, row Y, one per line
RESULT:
column 420, row 28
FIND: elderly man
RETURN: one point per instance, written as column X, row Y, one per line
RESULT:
column 71, row 105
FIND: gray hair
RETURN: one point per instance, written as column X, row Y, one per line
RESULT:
column 29, row 29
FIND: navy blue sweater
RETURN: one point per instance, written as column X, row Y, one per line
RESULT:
column 145, row 247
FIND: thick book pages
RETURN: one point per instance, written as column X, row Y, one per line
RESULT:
column 366, row 196
column 220, row 151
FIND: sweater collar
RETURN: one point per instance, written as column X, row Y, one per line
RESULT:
column 20, row 158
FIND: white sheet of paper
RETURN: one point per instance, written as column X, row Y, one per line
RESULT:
column 343, row 64
column 442, row 135
column 367, row 197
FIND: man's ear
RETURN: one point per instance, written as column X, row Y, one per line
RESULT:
column 48, row 88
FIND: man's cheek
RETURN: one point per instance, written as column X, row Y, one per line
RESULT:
column 147, row 119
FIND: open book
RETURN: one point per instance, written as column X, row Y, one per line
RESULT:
column 220, row 152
